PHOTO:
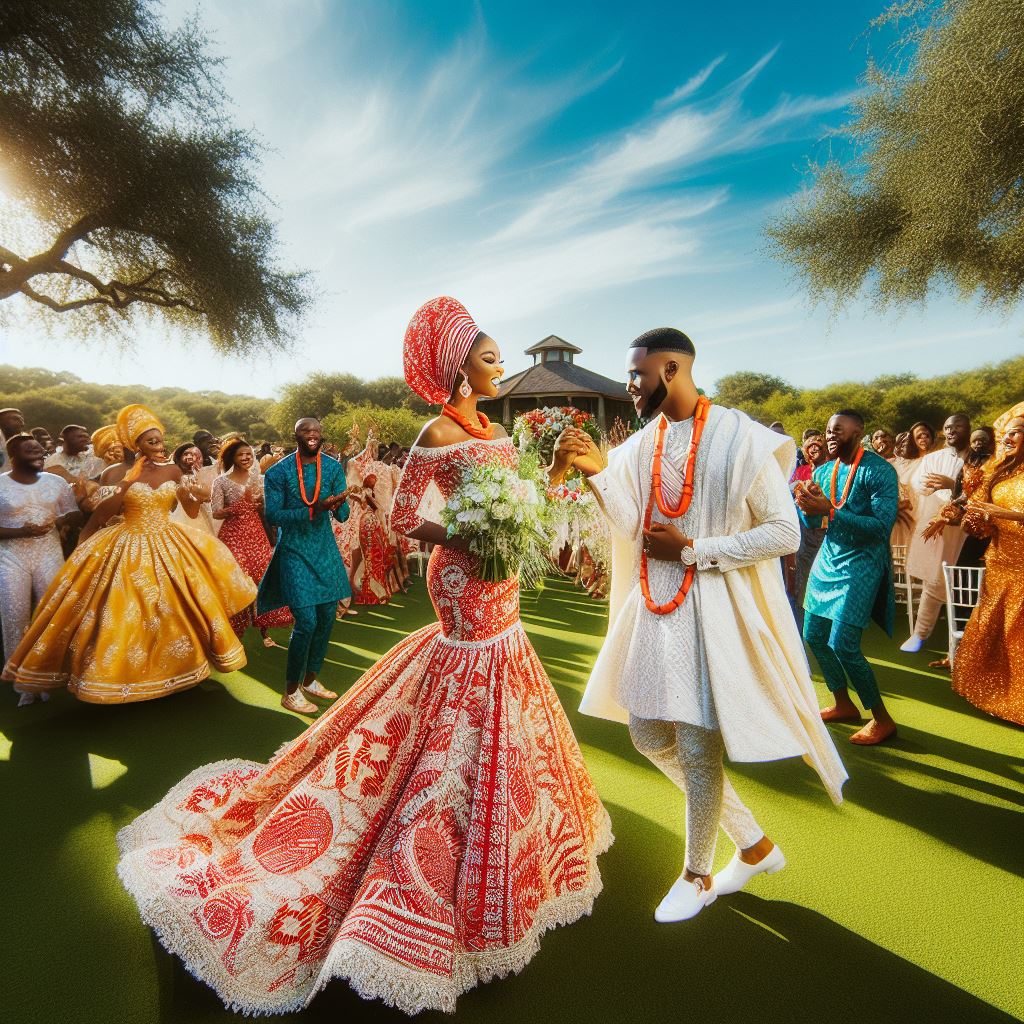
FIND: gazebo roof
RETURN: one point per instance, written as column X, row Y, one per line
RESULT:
column 560, row 378
column 553, row 343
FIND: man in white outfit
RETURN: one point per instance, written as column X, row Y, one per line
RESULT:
column 33, row 506
column 703, row 657
column 933, row 480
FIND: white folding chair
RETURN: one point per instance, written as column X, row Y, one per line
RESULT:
column 420, row 557
column 904, row 585
column 963, row 590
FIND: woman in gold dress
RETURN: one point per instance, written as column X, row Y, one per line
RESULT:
column 989, row 665
column 141, row 609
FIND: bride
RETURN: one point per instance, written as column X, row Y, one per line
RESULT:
column 420, row 836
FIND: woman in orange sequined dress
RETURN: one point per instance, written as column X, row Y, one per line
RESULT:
column 989, row 666
column 141, row 609
column 422, row 835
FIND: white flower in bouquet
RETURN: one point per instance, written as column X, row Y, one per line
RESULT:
column 501, row 511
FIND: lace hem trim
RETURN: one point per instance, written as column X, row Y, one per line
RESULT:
column 94, row 691
column 370, row 973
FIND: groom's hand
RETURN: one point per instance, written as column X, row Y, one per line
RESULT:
column 665, row 543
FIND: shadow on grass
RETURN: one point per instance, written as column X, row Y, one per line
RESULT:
column 744, row 958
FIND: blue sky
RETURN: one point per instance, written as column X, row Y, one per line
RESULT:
column 585, row 169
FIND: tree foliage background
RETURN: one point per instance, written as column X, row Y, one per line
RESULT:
column 893, row 401
column 933, row 194
column 126, row 189
column 53, row 399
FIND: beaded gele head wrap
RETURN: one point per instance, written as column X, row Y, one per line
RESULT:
column 437, row 341
column 133, row 421
column 1002, row 422
column 104, row 439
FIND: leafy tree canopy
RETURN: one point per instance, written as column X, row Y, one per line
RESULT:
column 124, row 187
column 893, row 401
column 933, row 193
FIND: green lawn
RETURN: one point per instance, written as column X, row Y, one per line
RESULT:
column 905, row 904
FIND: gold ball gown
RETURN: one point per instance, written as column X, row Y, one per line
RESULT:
column 139, row 611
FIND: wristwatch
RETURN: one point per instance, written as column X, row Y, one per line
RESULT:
column 688, row 556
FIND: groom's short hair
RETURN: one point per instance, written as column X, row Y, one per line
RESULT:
column 665, row 339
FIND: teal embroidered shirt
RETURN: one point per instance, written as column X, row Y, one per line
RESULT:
column 306, row 568
column 851, row 578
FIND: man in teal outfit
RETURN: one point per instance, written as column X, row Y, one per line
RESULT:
column 306, row 572
column 850, row 582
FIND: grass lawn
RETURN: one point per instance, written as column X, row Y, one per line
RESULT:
column 904, row 904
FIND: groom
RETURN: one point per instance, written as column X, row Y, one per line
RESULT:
column 301, row 494
column 702, row 657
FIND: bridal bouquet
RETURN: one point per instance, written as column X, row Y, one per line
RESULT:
column 538, row 429
column 501, row 511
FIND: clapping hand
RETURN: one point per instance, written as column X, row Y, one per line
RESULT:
column 811, row 499
column 37, row 529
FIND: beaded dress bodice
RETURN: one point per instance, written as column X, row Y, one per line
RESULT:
column 470, row 610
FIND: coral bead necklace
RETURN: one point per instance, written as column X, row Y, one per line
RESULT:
column 700, row 418
column 485, row 432
column 310, row 503
column 836, row 505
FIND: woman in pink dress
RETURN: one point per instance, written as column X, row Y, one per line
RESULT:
column 422, row 835
column 237, row 502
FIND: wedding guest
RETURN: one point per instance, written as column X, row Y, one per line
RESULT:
column 33, row 507
column 989, row 666
column 933, row 480
column 884, row 443
column 237, row 502
column 197, row 479
column 923, row 437
column 851, row 580
column 75, row 461
column 811, row 534
column 42, row 435
column 208, row 445
column 151, row 603
column 11, row 423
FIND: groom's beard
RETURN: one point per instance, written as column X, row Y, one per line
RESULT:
column 654, row 403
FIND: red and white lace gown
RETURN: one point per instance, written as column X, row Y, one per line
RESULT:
column 416, row 840
column 243, row 534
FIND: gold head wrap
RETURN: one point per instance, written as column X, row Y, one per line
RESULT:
column 133, row 421
column 104, row 439
column 1003, row 421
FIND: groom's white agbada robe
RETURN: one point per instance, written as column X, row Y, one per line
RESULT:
column 731, row 657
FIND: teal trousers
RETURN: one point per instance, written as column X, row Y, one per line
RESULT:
column 836, row 648
column 310, row 636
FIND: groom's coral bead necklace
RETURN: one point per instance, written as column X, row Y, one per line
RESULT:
column 308, row 502
column 700, row 418
column 849, row 482
column 485, row 432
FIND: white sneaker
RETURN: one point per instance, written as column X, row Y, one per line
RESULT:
column 24, row 699
column 735, row 875
column 317, row 689
column 912, row 644
column 296, row 702
column 684, row 900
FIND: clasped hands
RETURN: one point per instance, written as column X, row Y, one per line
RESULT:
column 575, row 449
column 811, row 500
column 332, row 502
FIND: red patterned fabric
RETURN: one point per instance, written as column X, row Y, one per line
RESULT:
column 437, row 341
column 417, row 839
column 244, row 536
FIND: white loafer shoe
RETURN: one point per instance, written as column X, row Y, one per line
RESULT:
column 912, row 645
column 735, row 875
column 296, row 702
column 317, row 689
column 684, row 900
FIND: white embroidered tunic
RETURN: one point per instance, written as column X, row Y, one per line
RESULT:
column 731, row 657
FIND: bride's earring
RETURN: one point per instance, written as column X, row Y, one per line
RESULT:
column 465, row 388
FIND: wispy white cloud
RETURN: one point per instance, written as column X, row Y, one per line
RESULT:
column 693, row 85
